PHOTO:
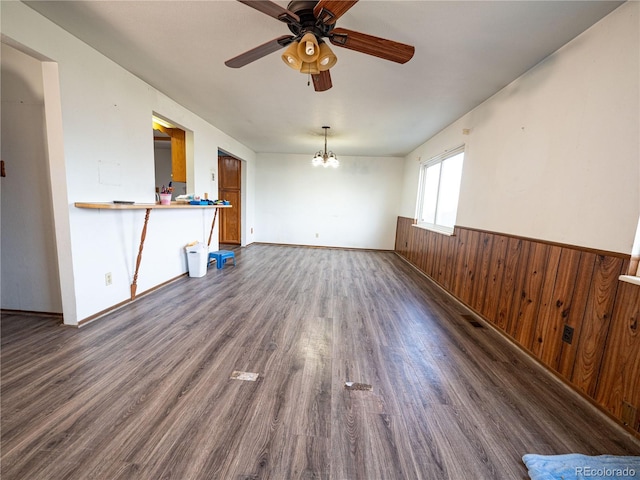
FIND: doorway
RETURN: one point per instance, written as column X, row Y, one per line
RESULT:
column 30, row 272
column 230, row 188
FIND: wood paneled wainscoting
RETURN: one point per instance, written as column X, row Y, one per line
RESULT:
column 534, row 292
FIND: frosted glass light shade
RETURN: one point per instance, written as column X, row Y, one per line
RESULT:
column 290, row 56
column 308, row 50
column 309, row 67
column 326, row 59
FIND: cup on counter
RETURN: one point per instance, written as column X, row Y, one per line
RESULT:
column 165, row 199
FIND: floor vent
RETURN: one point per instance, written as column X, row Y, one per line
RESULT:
column 472, row 320
column 247, row 376
column 357, row 386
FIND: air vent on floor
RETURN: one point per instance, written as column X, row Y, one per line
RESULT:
column 357, row 386
column 472, row 320
column 247, row 376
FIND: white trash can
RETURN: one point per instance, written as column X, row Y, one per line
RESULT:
column 197, row 256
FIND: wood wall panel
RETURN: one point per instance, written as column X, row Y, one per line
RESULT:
column 461, row 259
column 558, row 290
column 420, row 243
column 595, row 323
column 542, row 326
column 518, row 293
column 480, row 279
column 401, row 234
column 576, row 312
column 452, row 250
column 432, row 249
column 530, row 295
column 469, row 267
column 494, row 279
column 441, row 262
column 620, row 375
column 415, row 247
column 510, row 282
column 530, row 290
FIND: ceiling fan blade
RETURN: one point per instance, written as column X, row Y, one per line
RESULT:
column 273, row 10
column 322, row 81
column 328, row 11
column 259, row 52
column 376, row 46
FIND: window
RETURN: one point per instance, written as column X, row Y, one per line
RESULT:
column 439, row 189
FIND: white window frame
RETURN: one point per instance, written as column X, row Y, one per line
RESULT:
column 633, row 275
column 424, row 165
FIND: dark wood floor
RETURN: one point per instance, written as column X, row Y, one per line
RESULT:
column 145, row 393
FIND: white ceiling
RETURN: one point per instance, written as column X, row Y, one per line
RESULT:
column 465, row 52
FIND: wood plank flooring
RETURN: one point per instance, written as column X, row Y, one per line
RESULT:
column 145, row 393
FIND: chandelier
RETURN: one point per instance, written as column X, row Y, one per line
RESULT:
column 326, row 159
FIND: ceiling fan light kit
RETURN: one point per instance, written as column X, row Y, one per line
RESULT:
column 307, row 57
column 310, row 21
column 324, row 158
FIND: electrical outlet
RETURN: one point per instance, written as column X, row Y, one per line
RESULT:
column 567, row 334
column 213, row 177
column 251, row 230
column 108, row 279
column 317, row 235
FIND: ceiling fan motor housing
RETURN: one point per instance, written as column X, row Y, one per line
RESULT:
column 308, row 22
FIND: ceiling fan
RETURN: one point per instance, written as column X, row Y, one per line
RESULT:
column 310, row 21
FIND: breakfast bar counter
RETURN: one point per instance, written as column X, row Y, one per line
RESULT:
column 148, row 207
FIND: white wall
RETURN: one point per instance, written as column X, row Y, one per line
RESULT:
column 556, row 154
column 29, row 275
column 354, row 205
column 108, row 154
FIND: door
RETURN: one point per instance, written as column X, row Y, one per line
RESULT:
column 229, row 188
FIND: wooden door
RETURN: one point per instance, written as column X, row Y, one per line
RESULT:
column 229, row 188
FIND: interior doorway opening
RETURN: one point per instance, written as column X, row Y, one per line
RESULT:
column 170, row 157
column 30, row 247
